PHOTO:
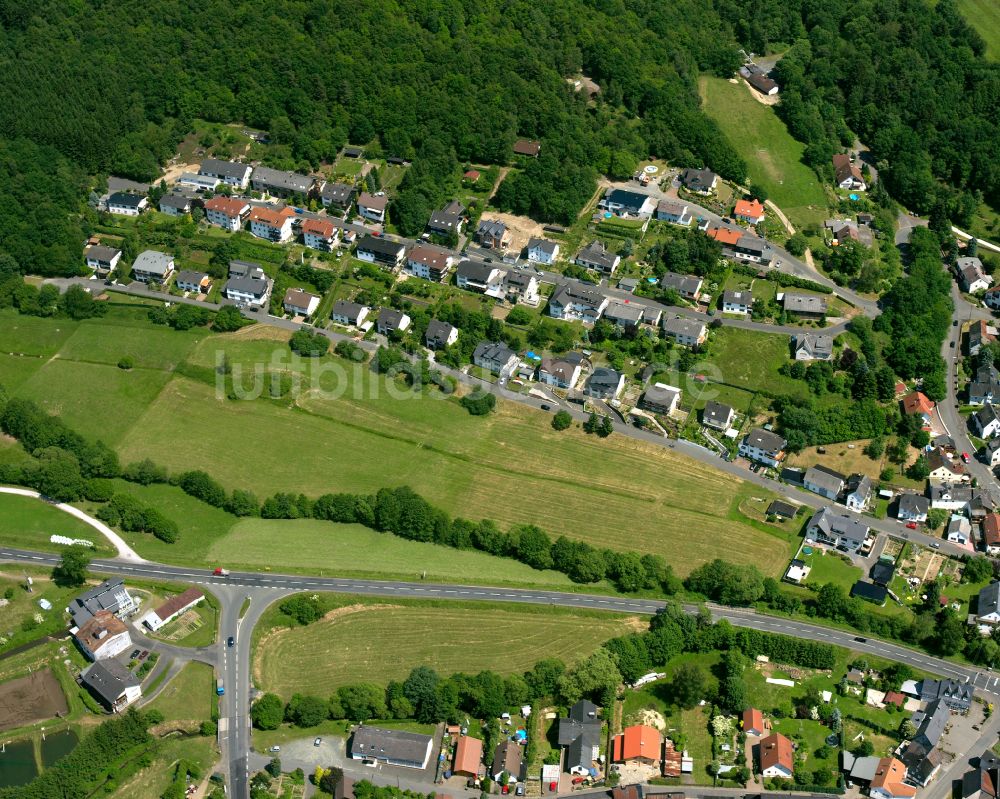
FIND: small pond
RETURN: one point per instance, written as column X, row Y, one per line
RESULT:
column 57, row 746
column 17, row 764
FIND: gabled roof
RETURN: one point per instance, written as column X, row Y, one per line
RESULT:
column 527, row 147
column 438, row 330
column 379, row 245
column 108, row 679
column 288, row 181
column 698, row 178
column 99, row 252
column 468, row 755
column 637, row 741
column 683, row 284
column 507, row 757
column 683, row 327
column 717, row 412
column 724, row 235
column 753, row 719
column 337, row 192
column 175, row 201
column 271, row 217
column 825, row 478
column 319, row 227
column 917, row 402
column 890, row 776
column 991, row 529
column 298, row 298
column 741, row 298
column 190, row 277
column 175, row 603
column 776, row 750
column 748, row 208
column 371, row 201
column 226, row 205
column 126, row 199
column 989, row 599
column 349, row 309
column 765, row 440
column 543, row 245
column 229, row 169
column 153, row 262
column 430, row 256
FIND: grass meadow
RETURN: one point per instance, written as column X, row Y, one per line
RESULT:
column 984, row 16
column 189, row 695
column 27, row 523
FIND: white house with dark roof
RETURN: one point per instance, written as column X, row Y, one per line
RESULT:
column 519, row 286
column 175, row 205
column 763, row 446
column 340, row 195
column 495, row 357
column 971, row 275
column 700, row 181
column 624, row 202
column 300, row 303
column 390, row 320
column 836, row 529
column 740, row 302
column 717, row 415
column 825, row 482
column 228, row 172
column 153, row 266
column 661, row 398
column 126, row 203
column 252, row 290
column 623, row 314
column 194, row 282
column 986, row 421
column 542, row 251
column 280, row 183
column 605, row 383
column 686, row 332
column 912, row 507
column 575, row 301
column 813, row 347
column 597, row 257
column 988, row 610
column 688, row 286
column 379, row 250
column 809, row 306
column 101, row 259
column 676, row 213
column 351, row 314
column 447, row 220
column 480, row 277
column 859, row 490
column 561, row 371
column 440, row 335
column 113, row 684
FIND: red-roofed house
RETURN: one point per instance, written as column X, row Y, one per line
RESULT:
column 527, row 147
column 753, row 722
column 468, row 756
column 637, row 743
column 724, row 235
column 227, row 213
column 846, row 174
column 776, row 759
column 749, row 211
column 319, row 234
column 894, row 698
column 266, row 223
column 916, row 402
column 172, row 608
column 472, row 175
column 991, row 533
column 888, row 781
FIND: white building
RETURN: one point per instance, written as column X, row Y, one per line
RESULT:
column 102, row 636
column 226, row 212
column 154, row 266
column 542, row 251
column 127, row 204
column 228, row 172
column 276, row 226
column 172, row 608
column 763, row 446
column 319, row 234
column 350, row 314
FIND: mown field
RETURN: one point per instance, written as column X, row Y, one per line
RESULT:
column 378, row 643
column 28, row 523
column 189, row 695
column 773, row 156
column 984, row 16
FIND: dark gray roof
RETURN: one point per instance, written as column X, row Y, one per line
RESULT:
column 814, row 345
column 596, row 253
column 542, row 244
column 126, row 199
column 604, row 378
column 254, row 286
column 683, row 284
column 842, row 525
column 881, row 573
column 337, row 193
column 913, row 503
column 492, row 228
column 986, row 415
column 175, row 201
column 438, row 331
column 245, row 268
column 716, row 412
column 765, row 440
column 447, row 218
column 824, row 478
column 476, row 271
column 989, row 599
column 698, row 178
column 279, row 179
column 108, row 679
column 390, row 317
column 375, row 742
column 804, row 303
column 190, row 276
column 683, row 327
column 575, row 293
column 493, row 351
column 348, row 309
column 379, row 245
column 101, row 597
column 225, row 169
column 581, row 732
column 930, row 722
column 869, row 591
column 731, row 297
column 779, row 508
column 101, row 253
column 630, row 200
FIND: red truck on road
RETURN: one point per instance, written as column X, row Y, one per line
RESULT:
column 219, row 572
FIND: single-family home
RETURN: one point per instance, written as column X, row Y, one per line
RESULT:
column 153, row 266
column 126, row 203
column 493, row 233
column 661, row 398
column 813, row 347
column 226, row 212
column 957, row 497
column 985, row 386
column 468, row 757
column 495, row 357
column 542, row 251
column 372, row 206
column 717, row 415
column 196, row 182
column 471, row 175
column 228, row 172
column 890, row 781
column 740, row 246
column 527, row 147
column 676, row 213
column 639, row 743
column 562, row 371
column 103, row 260
column 624, row 314
column 776, row 759
column 270, row 224
column 248, row 285
column 172, row 608
column 876, row 594
column 882, row 572
column 390, row 321
column 805, row 306
column 113, row 685
column 520, row 287
column 836, row 529
column 175, row 205
column 580, row 733
column 753, row 722
column 859, row 489
column 623, row 202
column 847, row 175
column 912, row 507
column 351, row 314
column 971, row 275
column 448, row 220
column 986, row 421
column 430, row 263
column 823, row 481
column 740, row 302
column 763, row 446
column 337, row 195
column 596, row 256
column 576, row 301
column 845, row 230
column 440, row 335
column 605, row 383
column 507, row 760
column 195, row 282
column 957, row 696
column 481, row 277
column 394, row 747
column 917, row 403
column 959, row 531
column 932, row 720
column 320, row 234
column 980, row 333
column 983, row 781
column 111, row 595
column 991, row 534
column 102, row 636
column 988, row 606
column 749, row 211
column 946, row 468
column 300, row 303
column 991, row 452
column 686, row 332
column 687, row 286
column 379, row 250
column 279, row 183
column 992, row 298
column 700, row 181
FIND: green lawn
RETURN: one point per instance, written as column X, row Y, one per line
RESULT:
column 828, row 567
column 26, row 522
column 750, row 360
column 773, row 156
column 189, row 695
column 984, row 16
column 32, row 335
column 369, row 642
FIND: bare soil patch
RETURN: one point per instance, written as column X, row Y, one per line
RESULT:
column 26, row 700
column 522, row 228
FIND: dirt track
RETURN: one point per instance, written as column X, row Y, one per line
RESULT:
column 29, row 699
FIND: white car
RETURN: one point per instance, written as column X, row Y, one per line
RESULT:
column 274, row 749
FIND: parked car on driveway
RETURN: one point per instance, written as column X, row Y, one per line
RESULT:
column 911, row 525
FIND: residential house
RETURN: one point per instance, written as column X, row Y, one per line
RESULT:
column 448, row 220
column 847, row 175
column 986, row 421
column 945, row 468
column 991, row 452
column 468, row 757
column 687, row 286
column 740, row 246
column 379, row 250
column 337, row 195
column 440, row 335
column 507, row 760
column 125, row 203
column 988, row 607
column 596, row 256
column 661, row 398
column 228, row 172
column 917, row 403
column 753, row 722
column 271, row 225
column 651, row 316
column 561, row 372
column 542, row 251
column 676, row 213
column 882, row 573
column 175, row 205
column 394, row 747
column 763, row 446
column 481, row 277
column 102, row 636
column 980, row 333
column 279, row 183
column 247, row 285
column 836, row 529
column 947, row 496
column 103, row 260
column 576, row 301
column 605, row 383
column 825, row 482
column 991, row 534
column 527, row 147
column 959, row 531
column 983, row 781
column 113, row 685
column 300, row 303
column 372, row 206
column 351, row 314
column 700, row 181
column 749, row 211
column 624, row 314
column 740, row 302
column 717, row 416
column 580, row 733
column 686, row 332
column 921, row 764
column 520, row 287
column 806, row 306
column 471, row 175
column 198, row 183
column 956, row 695
column 111, row 595
column 890, row 781
column 859, row 771
column 912, row 507
column 992, row 298
column 859, row 489
column 152, row 266
column 195, row 282
column 495, row 357
column 493, row 233
column 776, row 759
column 637, row 744
column 430, row 263
column 320, row 234
column 622, row 202
column 226, row 212
column 985, row 387
column 844, row 230
column 390, row 321
column 971, row 275
column 813, row 347
column 177, row 605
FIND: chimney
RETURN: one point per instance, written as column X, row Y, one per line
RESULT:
column 101, row 634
